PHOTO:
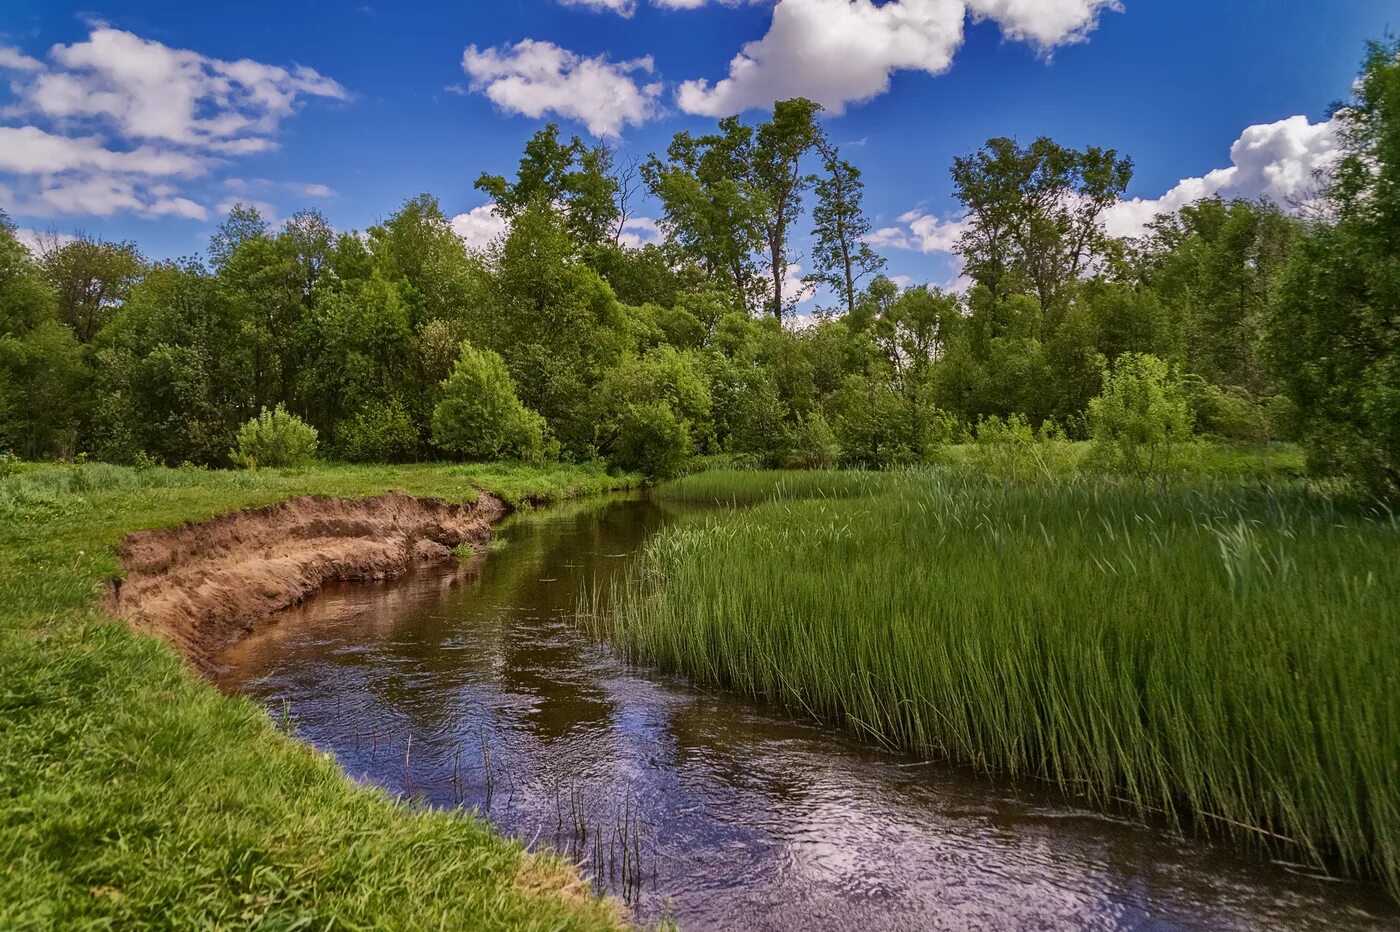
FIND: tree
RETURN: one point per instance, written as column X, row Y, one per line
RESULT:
column 711, row 214
column 1334, row 332
column 26, row 298
column 576, row 179
column 1034, row 215
column 1214, row 268
column 779, row 180
column 1140, row 416
column 91, row 278
column 480, row 417
column 172, row 371
column 841, row 257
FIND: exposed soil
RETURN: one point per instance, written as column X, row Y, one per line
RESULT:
column 202, row 586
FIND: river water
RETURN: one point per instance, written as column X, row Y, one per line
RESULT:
column 473, row 686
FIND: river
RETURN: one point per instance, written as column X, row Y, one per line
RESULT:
column 474, row 686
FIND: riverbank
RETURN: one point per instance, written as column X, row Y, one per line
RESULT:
column 1223, row 653
column 135, row 793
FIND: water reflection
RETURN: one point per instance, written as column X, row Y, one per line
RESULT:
column 472, row 686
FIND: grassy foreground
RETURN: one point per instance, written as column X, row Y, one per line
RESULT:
column 132, row 793
column 1225, row 652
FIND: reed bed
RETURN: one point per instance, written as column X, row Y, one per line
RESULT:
column 1227, row 656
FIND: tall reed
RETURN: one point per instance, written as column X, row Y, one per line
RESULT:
column 1229, row 656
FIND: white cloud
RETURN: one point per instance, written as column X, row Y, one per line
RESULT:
column 620, row 7
column 920, row 232
column 12, row 59
column 109, row 122
column 534, row 78
column 146, row 90
column 102, row 195
column 480, row 226
column 640, row 231
column 838, row 52
column 1043, row 23
column 28, row 150
column 1275, row 161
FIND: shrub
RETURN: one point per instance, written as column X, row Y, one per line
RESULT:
column 1012, row 449
column 480, row 417
column 1140, row 417
column 878, row 426
column 275, row 438
column 382, row 432
column 653, row 440
column 814, row 444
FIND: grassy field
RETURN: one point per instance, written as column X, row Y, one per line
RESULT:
column 1225, row 653
column 132, row 793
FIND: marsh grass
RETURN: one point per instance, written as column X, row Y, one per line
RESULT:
column 133, row 794
column 1226, row 655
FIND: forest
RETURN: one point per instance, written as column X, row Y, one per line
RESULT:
column 1238, row 321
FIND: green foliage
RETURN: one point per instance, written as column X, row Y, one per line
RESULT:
column 275, row 438
column 879, row 426
column 480, row 417
column 91, row 278
column 1009, row 448
column 813, row 444
column 654, row 412
column 1140, row 417
column 1333, row 336
column 381, row 432
column 43, row 385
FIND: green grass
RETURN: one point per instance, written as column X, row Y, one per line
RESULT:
column 133, row 793
column 1224, row 653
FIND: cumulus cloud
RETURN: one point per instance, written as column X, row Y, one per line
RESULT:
column 12, row 59
column 480, row 226
column 28, row 150
column 1045, row 24
column 640, row 231
column 146, row 90
column 920, row 232
column 534, row 78
column 107, row 123
column 839, row 52
column 1275, row 161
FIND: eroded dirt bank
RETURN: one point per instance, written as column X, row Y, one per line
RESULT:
column 205, row 585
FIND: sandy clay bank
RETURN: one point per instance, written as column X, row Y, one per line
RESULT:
column 205, row 585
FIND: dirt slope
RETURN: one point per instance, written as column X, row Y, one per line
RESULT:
column 204, row 585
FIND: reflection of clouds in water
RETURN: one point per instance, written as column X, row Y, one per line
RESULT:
column 745, row 818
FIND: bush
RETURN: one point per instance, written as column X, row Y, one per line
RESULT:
column 1012, row 449
column 275, row 438
column 1229, row 413
column 480, row 416
column 878, row 426
column 814, row 444
column 653, row 440
column 1140, row 417
column 382, row 432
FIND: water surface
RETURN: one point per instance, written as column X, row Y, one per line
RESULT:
column 473, row 686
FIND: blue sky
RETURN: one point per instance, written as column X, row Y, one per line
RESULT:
column 350, row 108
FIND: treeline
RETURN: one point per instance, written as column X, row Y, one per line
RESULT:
column 560, row 341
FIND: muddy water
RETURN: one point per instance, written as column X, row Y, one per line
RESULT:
column 473, row 687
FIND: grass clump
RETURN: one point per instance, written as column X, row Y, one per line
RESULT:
column 133, row 794
column 1223, row 653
